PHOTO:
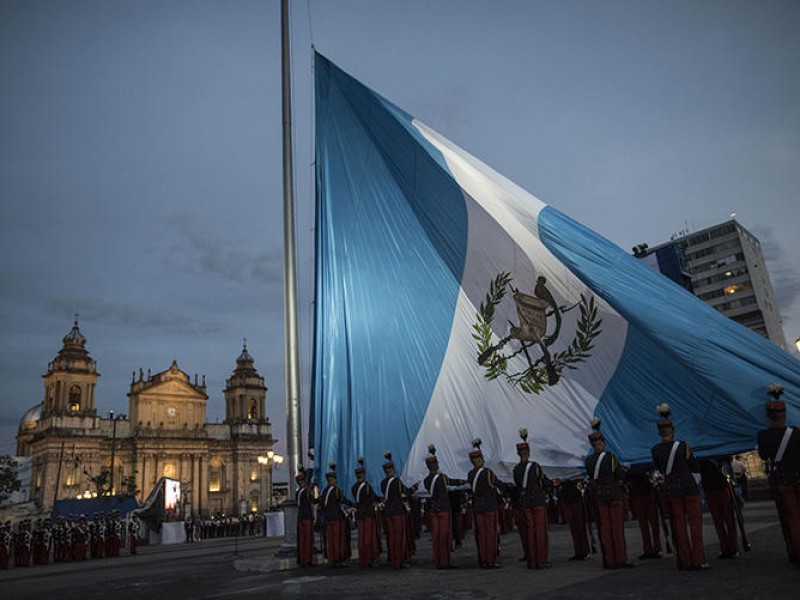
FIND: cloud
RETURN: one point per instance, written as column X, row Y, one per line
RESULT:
column 127, row 315
column 782, row 270
column 207, row 252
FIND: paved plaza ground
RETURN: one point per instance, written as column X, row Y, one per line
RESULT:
column 247, row 568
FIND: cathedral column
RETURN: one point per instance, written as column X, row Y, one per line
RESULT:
column 194, row 487
column 202, row 481
column 143, row 475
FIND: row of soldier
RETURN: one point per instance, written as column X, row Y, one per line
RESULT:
column 666, row 493
column 220, row 525
column 68, row 539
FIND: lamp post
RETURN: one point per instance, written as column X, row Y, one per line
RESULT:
column 797, row 344
column 270, row 460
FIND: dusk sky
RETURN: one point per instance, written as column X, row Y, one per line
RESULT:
column 140, row 154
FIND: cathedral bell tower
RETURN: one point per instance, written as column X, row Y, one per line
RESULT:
column 71, row 378
column 245, row 392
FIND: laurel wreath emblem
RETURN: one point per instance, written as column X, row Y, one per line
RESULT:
column 534, row 378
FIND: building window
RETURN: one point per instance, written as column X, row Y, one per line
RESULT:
column 738, row 287
column 215, row 476
column 730, row 228
column 254, row 474
column 252, row 412
column 75, row 398
column 698, row 239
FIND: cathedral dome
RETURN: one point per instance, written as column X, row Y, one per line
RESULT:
column 244, row 357
column 31, row 418
column 74, row 337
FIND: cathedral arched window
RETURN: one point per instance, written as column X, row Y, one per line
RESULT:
column 215, row 475
column 74, row 398
column 252, row 412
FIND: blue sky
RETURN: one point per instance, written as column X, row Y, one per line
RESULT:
column 140, row 154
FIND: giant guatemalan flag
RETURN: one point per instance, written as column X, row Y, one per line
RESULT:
column 452, row 304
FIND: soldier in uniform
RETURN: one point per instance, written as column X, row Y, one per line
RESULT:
column 606, row 476
column 305, row 520
column 779, row 445
column 117, row 533
column 58, row 540
column 80, row 535
column 719, row 498
column 92, row 529
column 36, row 542
column 437, row 484
column 644, row 506
column 676, row 462
column 133, row 534
column 365, row 500
column 102, row 534
column 532, row 489
column 485, row 488
column 25, row 542
column 5, row 544
column 573, row 504
column 337, row 525
column 47, row 541
column 399, row 543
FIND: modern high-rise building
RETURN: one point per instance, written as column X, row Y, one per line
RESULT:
column 722, row 265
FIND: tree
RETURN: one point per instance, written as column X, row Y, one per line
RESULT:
column 8, row 477
column 128, row 486
column 100, row 481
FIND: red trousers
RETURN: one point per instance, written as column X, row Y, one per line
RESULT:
column 520, row 517
column 611, row 517
column 646, row 513
column 305, row 541
column 79, row 551
column 133, row 542
column 536, row 540
column 369, row 544
column 398, row 544
column 686, row 516
column 787, row 501
column 573, row 514
column 486, row 536
column 337, row 538
column 23, row 557
column 720, row 505
column 3, row 558
column 441, row 538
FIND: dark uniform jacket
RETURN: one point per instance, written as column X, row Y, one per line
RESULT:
column 332, row 499
column 365, row 499
column 787, row 472
column 606, row 487
column 680, row 481
column 305, row 502
column 439, row 501
column 570, row 491
column 485, row 487
column 394, row 493
column 714, row 479
column 534, row 491
column 638, row 480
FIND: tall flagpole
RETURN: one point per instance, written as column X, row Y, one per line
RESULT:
column 294, row 443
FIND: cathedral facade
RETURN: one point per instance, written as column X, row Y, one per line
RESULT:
column 76, row 453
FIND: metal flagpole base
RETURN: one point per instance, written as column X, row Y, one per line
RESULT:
column 289, row 546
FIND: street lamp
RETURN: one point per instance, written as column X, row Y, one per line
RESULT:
column 797, row 344
column 271, row 459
